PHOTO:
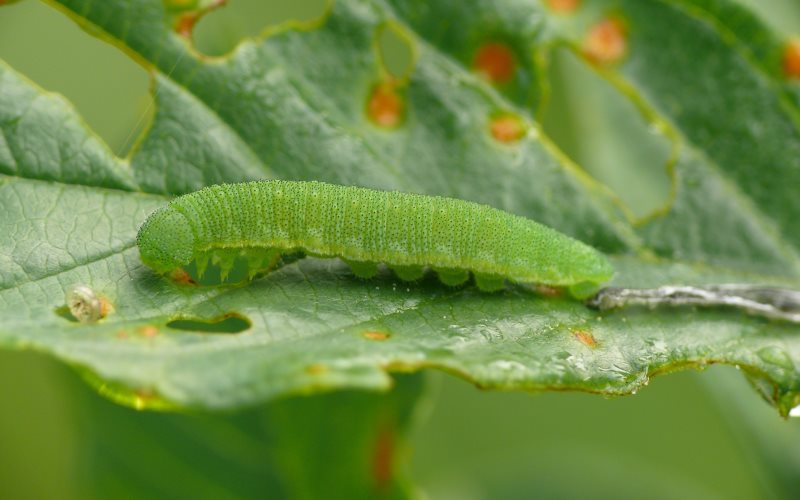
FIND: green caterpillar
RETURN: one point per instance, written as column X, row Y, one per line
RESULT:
column 262, row 220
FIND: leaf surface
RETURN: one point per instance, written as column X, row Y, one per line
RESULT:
column 293, row 104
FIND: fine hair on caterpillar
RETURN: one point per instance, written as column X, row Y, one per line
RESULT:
column 262, row 220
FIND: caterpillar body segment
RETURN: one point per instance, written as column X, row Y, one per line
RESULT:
column 409, row 232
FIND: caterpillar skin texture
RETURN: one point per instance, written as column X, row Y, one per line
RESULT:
column 262, row 220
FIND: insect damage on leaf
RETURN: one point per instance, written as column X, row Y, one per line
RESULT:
column 186, row 13
column 85, row 305
column 259, row 221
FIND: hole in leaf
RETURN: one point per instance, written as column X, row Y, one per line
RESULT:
column 495, row 61
column 230, row 323
column 782, row 15
column 603, row 132
column 186, row 13
column 64, row 312
column 109, row 90
column 221, row 30
column 606, row 42
column 385, row 106
column 396, row 51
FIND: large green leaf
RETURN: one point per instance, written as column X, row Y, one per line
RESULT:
column 291, row 104
column 349, row 442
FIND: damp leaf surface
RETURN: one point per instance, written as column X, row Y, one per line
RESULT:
column 296, row 103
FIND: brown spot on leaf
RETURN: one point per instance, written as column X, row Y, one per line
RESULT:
column 791, row 59
column 585, row 338
column 181, row 277
column 105, row 307
column 316, row 369
column 185, row 23
column 564, row 6
column 507, row 128
column 383, row 459
column 375, row 335
column 142, row 398
column 549, row 291
column 495, row 62
column 187, row 14
column 122, row 335
column 606, row 42
column 385, row 106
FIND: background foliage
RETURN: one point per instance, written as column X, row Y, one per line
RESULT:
column 523, row 440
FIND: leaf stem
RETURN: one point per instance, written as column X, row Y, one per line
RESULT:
column 769, row 302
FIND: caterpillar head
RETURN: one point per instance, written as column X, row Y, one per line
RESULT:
column 165, row 240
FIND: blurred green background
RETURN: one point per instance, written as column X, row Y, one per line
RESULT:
column 689, row 435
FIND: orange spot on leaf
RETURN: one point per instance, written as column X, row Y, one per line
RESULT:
column 606, row 42
column 564, row 6
column 148, row 331
column 585, row 338
column 385, row 106
column 507, row 128
column 375, row 335
column 105, row 307
column 791, row 59
column 122, row 335
column 495, row 62
column 185, row 23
